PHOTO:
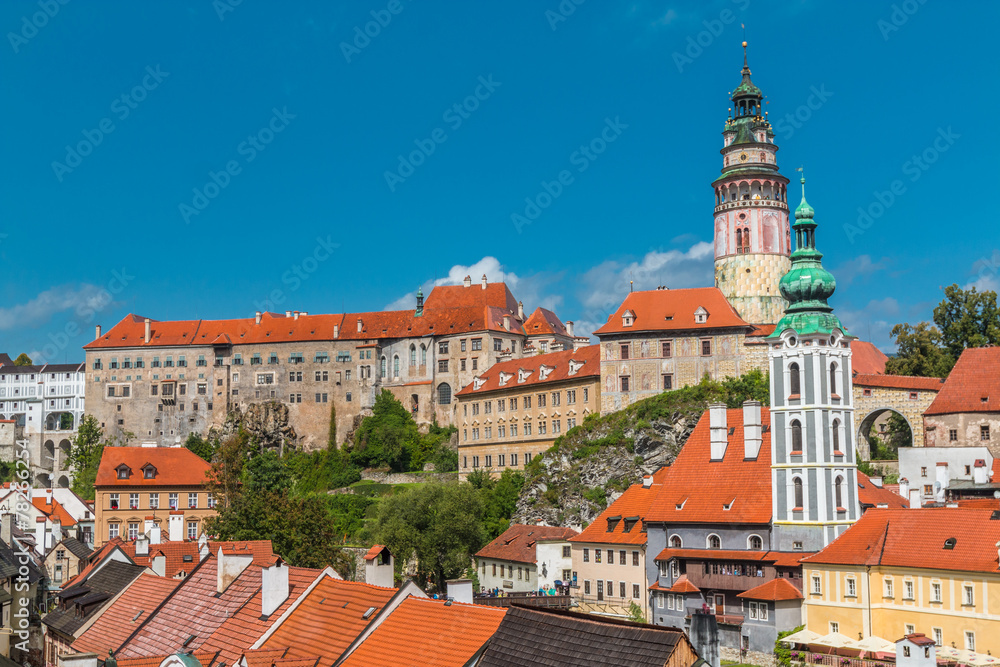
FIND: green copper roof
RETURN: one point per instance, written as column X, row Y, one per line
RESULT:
column 807, row 286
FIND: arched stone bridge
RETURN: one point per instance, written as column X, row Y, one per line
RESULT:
column 907, row 396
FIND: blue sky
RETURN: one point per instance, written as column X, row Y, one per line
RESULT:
column 207, row 159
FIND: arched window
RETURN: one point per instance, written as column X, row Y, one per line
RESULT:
column 675, row 542
column 754, row 543
column 714, row 542
column 794, row 381
column 739, row 241
column 838, row 492
column 444, row 393
column 395, row 365
column 796, row 435
column 423, row 354
column 797, row 484
column 746, row 241
column 382, row 366
column 836, row 435
column 833, row 378
column 413, row 354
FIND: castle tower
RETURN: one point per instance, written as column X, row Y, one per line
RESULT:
column 751, row 211
column 814, row 474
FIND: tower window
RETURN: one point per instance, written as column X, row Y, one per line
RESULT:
column 836, row 435
column 833, row 379
column 739, row 241
column 796, row 436
column 746, row 241
column 794, row 381
column 797, row 485
column 838, row 492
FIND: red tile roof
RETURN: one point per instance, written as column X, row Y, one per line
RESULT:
column 329, row 618
column 634, row 502
column 916, row 538
column 774, row 590
column 175, row 466
column 426, row 633
column 544, row 322
column 206, row 658
column 517, row 543
column 866, row 358
column 374, row 551
column 683, row 585
column 744, row 486
column 246, row 626
column 873, row 496
column 898, row 382
column 973, row 384
column 674, row 310
column 55, row 510
column 761, row 331
column 126, row 614
column 714, row 554
column 559, row 362
column 496, row 295
column 175, row 552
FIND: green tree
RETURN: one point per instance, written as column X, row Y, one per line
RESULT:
column 498, row 497
column 384, row 438
column 266, row 473
column 635, row 613
column 22, row 360
column 85, row 456
column 203, row 447
column 752, row 386
column 332, row 437
column 65, row 421
column 919, row 352
column 439, row 524
column 782, row 651
column 226, row 473
column 967, row 318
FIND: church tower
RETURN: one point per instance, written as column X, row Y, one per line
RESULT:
column 814, row 474
column 751, row 211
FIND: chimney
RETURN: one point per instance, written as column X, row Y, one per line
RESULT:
column 753, row 435
column 876, row 482
column 460, row 590
column 359, row 325
column 7, row 528
column 56, row 532
column 154, row 535
column 647, row 481
column 288, row 313
column 467, row 282
column 942, row 481
column 142, row 546
column 97, row 331
column 40, row 535
column 229, row 567
column 484, row 281
column 256, row 317
column 175, row 527
column 81, row 660
column 915, row 499
column 203, row 546
column 336, row 331
column 304, row 313
column 520, row 310
column 48, row 496
column 295, row 315
column 569, row 328
column 719, row 430
column 704, row 636
column 159, row 564
column 145, row 336
column 506, row 322
column 904, row 487
column 274, row 587
column 980, row 474
column 379, row 569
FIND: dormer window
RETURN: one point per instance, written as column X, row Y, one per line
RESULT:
column 522, row 374
column 700, row 315
column 124, row 472
column 613, row 522
column 149, row 471
column 627, row 318
column 544, row 371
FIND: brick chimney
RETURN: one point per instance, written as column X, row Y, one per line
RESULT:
column 145, row 336
column 154, row 535
column 719, row 430
column 569, row 328
column 97, row 331
column 56, row 532
column 229, row 567
column 274, row 587
column 359, row 325
column 752, row 430
column 256, row 317
column 40, row 535
column 175, row 527
column 904, row 487
column 467, row 282
column 142, row 546
column 942, row 481
column 484, row 281
column 647, row 481
column 158, row 563
column 295, row 315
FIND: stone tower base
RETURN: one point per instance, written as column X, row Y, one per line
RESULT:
column 750, row 283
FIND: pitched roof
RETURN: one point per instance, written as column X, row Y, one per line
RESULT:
column 544, row 322
column 683, row 585
column 206, row 658
column 870, row 495
column 910, row 382
column 82, row 602
column 741, row 485
column 176, row 552
column 175, row 466
column 517, row 543
column 917, row 538
column 329, row 618
column 421, row 632
column 76, row 547
column 774, row 590
column 94, row 560
column 973, row 384
column 559, row 366
column 866, row 358
column 628, row 511
column 374, row 551
column 127, row 613
column 556, row 638
column 54, row 510
column 674, row 310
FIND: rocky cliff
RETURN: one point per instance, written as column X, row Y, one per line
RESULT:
column 265, row 423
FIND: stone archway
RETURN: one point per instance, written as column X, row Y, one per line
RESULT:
column 877, row 420
column 901, row 394
column 63, row 482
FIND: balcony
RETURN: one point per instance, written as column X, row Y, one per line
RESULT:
column 724, row 582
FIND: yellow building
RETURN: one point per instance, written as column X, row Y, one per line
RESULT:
column 899, row 571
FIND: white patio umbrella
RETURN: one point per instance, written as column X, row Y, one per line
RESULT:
column 983, row 660
column 801, row 637
column 875, row 644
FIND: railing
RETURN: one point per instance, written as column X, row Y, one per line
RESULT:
column 551, row 601
column 833, row 660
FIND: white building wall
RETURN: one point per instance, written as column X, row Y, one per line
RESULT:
column 551, row 563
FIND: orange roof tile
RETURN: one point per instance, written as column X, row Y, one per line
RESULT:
column 517, row 543
column 761, row 331
column 175, row 466
column 587, row 358
column 774, row 590
column 329, row 618
column 55, row 510
column 674, row 310
column 427, row 633
column 911, row 382
column 127, row 613
column 867, row 359
column 683, row 585
column 872, row 496
column 176, row 552
column 544, row 322
column 634, row 503
column 714, row 554
column 206, row 658
column 973, row 384
column 917, row 538
column 458, row 296
column 374, row 551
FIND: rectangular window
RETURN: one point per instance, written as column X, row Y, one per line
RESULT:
column 586, row 555
column 556, row 396
column 706, row 347
column 817, row 588
column 489, row 460
column 624, row 382
column 133, row 501
column 172, row 499
column 192, row 500
column 938, row 636
column 668, row 382
column 556, row 426
column 442, row 365
column 665, row 348
column 586, row 394
column 611, row 556
column 477, row 344
column 501, row 460
column 621, row 557
column 597, row 555
column 211, row 501
column 984, row 433
column 887, row 588
column 527, row 432
column 834, row 626
column 541, row 428
column 970, row 641
column 953, row 435
column 621, row 589
column 513, row 434
column 513, row 404
column 935, row 592
column 968, row 596
column 527, row 403
column 852, row 587
column 133, row 530
column 586, row 587
column 513, row 460
column 112, row 531
column 624, row 350
column 154, row 501
column 192, row 530
column 443, row 347
column 113, row 501
column 635, row 591
column 635, row 559
column 907, row 590
column 541, row 400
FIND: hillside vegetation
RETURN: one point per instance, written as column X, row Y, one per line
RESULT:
column 592, row 464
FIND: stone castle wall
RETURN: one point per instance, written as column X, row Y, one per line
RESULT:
column 750, row 283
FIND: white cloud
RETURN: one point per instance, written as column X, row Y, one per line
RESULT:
column 861, row 266
column 39, row 310
column 669, row 17
column 986, row 270
column 873, row 322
